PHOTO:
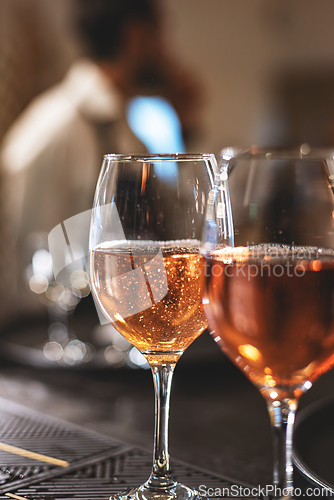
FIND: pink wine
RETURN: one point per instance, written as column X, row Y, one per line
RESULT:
column 153, row 300
column 272, row 311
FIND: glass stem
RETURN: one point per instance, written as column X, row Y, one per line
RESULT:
column 162, row 379
column 282, row 419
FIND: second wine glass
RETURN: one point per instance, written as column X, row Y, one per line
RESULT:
column 269, row 299
column 145, row 269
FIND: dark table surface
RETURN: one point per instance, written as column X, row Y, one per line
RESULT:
column 218, row 420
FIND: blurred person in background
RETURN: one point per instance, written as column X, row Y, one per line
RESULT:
column 51, row 155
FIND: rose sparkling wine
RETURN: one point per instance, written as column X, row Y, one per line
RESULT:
column 273, row 313
column 163, row 286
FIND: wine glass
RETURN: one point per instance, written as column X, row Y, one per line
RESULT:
column 269, row 298
column 145, row 272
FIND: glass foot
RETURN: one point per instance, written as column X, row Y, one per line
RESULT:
column 146, row 492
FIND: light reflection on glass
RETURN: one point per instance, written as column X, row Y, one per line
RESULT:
column 62, row 347
column 137, row 359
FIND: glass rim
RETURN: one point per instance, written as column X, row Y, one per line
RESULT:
column 146, row 158
column 304, row 152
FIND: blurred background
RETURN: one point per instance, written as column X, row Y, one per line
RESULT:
column 265, row 73
column 267, row 68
